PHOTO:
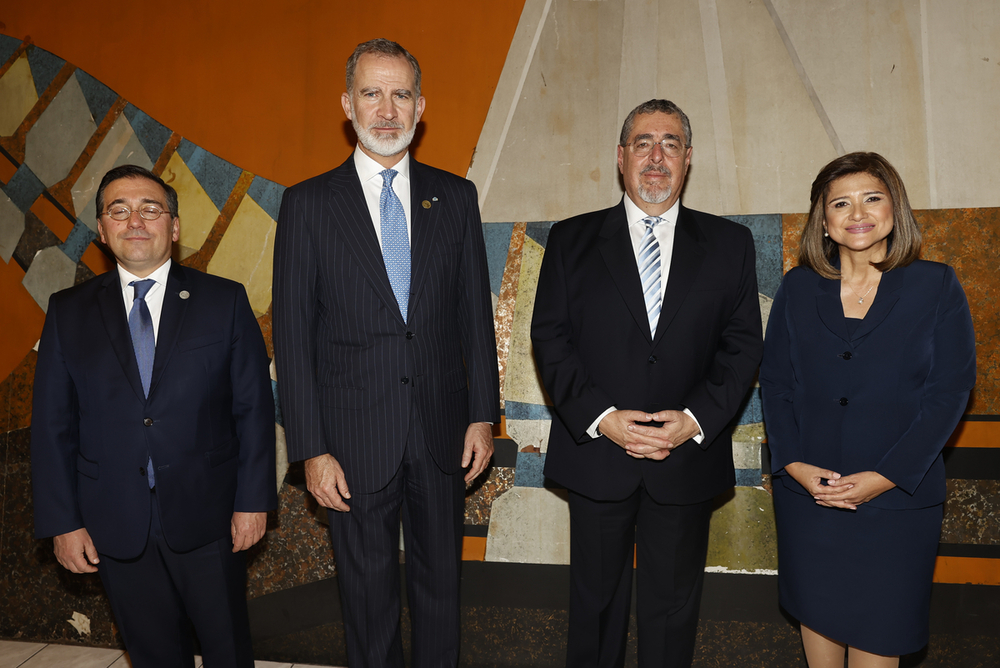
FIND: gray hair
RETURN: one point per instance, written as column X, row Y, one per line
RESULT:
column 653, row 107
column 382, row 47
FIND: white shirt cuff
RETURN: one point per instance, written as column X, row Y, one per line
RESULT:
column 592, row 430
column 700, row 436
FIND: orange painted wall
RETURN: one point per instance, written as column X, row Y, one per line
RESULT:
column 258, row 82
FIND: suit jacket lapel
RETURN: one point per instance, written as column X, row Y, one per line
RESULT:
column 112, row 308
column 885, row 300
column 829, row 307
column 424, row 229
column 619, row 257
column 351, row 216
column 171, row 319
column 685, row 262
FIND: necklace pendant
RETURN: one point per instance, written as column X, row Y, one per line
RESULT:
column 861, row 301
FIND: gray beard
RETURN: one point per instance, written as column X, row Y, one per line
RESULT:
column 655, row 197
column 652, row 197
column 383, row 146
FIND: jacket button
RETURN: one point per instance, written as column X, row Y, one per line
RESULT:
column 142, row 471
column 404, row 380
column 847, row 355
column 148, row 422
column 409, row 335
column 843, row 401
column 652, row 359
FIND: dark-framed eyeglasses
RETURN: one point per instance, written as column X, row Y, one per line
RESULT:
column 121, row 212
column 672, row 148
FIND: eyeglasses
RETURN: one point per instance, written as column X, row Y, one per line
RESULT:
column 121, row 212
column 672, row 148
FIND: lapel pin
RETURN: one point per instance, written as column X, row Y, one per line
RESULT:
column 434, row 199
column 426, row 204
column 184, row 294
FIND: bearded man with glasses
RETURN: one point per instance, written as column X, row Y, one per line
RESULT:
column 647, row 334
column 152, row 435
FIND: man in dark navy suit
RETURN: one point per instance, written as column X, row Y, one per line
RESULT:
column 647, row 333
column 152, row 435
column 386, row 358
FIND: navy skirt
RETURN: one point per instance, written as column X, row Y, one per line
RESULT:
column 859, row 577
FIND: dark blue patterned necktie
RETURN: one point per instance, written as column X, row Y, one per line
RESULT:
column 140, row 324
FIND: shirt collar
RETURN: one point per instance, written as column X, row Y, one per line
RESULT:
column 368, row 169
column 634, row 214
column 159, row 275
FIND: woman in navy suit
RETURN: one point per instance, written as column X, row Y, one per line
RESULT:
column 868, row 363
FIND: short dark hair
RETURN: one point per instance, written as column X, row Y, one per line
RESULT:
column 135, row 172
column 382, row 47
column 816, row 251
column 654, row 107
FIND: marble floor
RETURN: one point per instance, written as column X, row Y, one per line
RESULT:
column 15, row 654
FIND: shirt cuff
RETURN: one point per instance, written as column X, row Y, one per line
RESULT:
column 592, row 430
column 700, row 436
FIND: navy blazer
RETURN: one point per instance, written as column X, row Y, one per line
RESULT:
column 349, row 369
column 885, row 399
column 208, row 422
column 593, row 346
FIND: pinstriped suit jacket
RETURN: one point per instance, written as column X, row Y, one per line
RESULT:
column 349, row 368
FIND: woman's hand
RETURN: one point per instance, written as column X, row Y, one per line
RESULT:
column 850, row 491
column 811, row 478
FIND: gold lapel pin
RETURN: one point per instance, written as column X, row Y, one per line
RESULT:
column 426, row 204
column 184, row 294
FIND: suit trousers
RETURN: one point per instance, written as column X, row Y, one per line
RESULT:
column 158, row 595
column 366, row 547
column 671, row 545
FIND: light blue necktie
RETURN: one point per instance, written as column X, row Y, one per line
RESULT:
column 395, row 241
column 140, row 324
column 649, row 272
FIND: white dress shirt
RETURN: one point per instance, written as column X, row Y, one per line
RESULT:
column 664, row 233
column 369, row 172
column 154, row 298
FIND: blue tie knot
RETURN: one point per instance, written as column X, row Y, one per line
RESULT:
column 142, row 287
column 387, row 176
column 651, row 221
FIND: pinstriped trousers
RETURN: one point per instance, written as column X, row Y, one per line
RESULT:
column 366, row 547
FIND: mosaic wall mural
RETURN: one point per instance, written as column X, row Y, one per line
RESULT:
column 61, row 130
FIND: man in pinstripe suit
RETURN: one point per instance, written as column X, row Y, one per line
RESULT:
column 386, row 357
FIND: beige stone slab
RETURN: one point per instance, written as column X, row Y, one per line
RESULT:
column 742, row 537
column 11, row 227
column 50, row 271
column 558, row 158
column 15, row 653
column 527, row 433
column 529, row 525
column 963, row 94
column 198, row 213
column 522, row 381
column 56, row 140
column 61, row 656
column 746, row 454
column 245, row 253
column 779, row 140
column 120, row 147
column 17, row 90
column 765, row 309
column 866, row 70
